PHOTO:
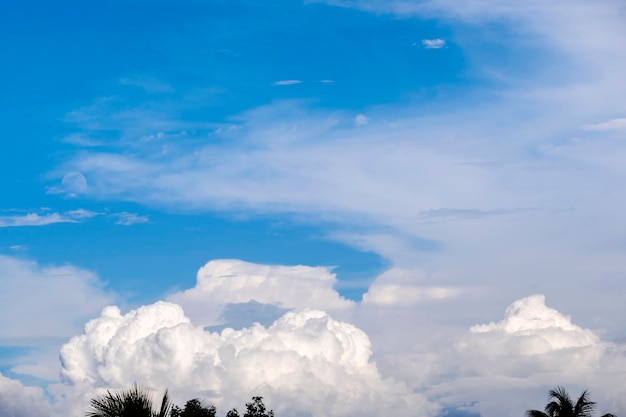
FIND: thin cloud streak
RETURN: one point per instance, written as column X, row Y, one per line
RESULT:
column 35, row 219
column 287, row 82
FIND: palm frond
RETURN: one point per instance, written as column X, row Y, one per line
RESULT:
column 135, row 401
column 561, row 404
column 166, row 406
column 535, row 413
column 584, row 406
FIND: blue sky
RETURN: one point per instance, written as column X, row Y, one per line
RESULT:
column 444, row 160
column 194, row 60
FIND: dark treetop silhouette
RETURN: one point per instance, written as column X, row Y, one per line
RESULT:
column 561, row 405
column 133, row 402
column 137, row 402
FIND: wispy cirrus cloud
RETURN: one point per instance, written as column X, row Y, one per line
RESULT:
column 71, row 216
column 128, row 219
column 43, row 219
column 613, row 124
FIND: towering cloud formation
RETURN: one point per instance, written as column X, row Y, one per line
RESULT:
column 532, row 349
column 308, row 363
column 533, row 328
column 305, row 363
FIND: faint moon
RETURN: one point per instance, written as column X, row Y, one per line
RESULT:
column 74, row 182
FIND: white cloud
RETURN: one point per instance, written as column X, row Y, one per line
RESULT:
column 534, row 348
column 433, row 43
column 45, row 301
column 222, row 282
column 128, row 219
column 549, row 329
column 17, row 400
column 398, row 287
column 35, row 219
column 613, row 124
column 305, row 363
column 287, row 82
column 80, row 214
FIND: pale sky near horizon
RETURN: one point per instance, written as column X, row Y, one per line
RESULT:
column 419, row 202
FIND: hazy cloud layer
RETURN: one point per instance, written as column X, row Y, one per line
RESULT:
column 45, row 301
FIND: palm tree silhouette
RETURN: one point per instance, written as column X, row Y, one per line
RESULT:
column 133, row 402
column 561, row 405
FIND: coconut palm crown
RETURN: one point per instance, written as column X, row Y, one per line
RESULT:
column 561, row 405
column 133, row 402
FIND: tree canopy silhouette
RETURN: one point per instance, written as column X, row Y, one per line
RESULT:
column 194, row 408
column 561, row 405
column 255, row 408
column 137, row 402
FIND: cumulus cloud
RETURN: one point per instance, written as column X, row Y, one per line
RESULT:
column 545, row 328
column 519, row 358
column 305, row 363
column 17, row 400
column 433, row 43
column 222, row 282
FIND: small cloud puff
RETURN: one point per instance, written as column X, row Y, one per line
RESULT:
column 433, row 43
column 361, row 120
